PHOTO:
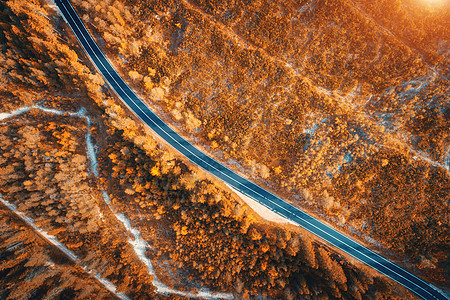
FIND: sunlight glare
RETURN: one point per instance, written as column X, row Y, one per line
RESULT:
column 434, row 2
column 434, row 5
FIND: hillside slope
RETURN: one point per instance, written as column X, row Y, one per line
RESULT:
column 76, row 163
column 320, row 101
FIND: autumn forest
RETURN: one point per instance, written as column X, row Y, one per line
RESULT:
column 339, row 107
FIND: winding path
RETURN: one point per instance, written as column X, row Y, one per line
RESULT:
column 248, row 188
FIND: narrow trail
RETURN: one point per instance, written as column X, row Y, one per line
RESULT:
column 447, row 159
column 242, row 42
column 50, row 238
column 206, row 162
column 55, row 242
column 138, row 244
column 343, row 101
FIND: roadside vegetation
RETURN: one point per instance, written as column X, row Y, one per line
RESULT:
column 199, row 233
column 314, row 99
column 220, row 240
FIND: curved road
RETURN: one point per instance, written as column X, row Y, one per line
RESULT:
column 272, row 202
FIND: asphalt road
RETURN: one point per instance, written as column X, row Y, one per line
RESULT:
column 248, row 188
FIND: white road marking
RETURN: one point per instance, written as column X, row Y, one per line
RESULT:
column 245, row 181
